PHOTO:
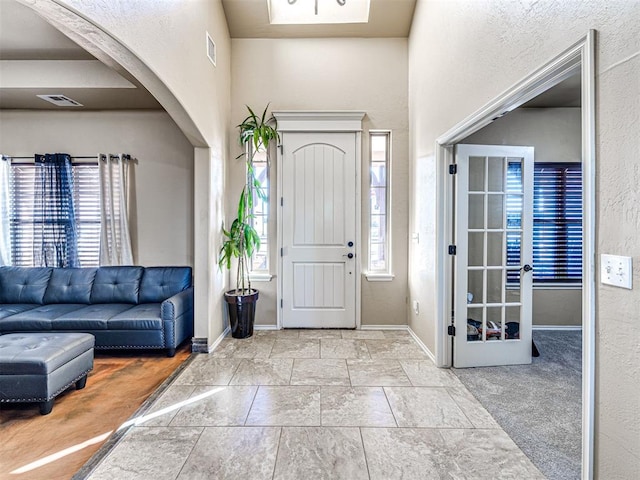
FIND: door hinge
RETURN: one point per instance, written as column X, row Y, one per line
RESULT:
column 282, row 201
column 451, row 331
column 281, row 147
column 453, row 169
column 452, row 249
column 282, row 251
column 281, row 303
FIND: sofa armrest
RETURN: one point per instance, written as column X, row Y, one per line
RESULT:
column 178, row 305
column 177, row 318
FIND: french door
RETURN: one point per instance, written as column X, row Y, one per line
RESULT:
column 493, row 261
column 318, row 221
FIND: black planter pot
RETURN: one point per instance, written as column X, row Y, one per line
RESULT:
column 242, row 313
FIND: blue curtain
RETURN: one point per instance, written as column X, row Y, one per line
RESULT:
column 54, row 223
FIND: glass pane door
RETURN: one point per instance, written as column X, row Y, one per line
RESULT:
column 493, row 240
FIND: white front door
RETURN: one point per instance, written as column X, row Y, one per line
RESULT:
column 318, row 230
column 493, row 258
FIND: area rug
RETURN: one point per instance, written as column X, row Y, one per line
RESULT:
column 538, row 405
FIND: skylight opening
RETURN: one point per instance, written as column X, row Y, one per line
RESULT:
column 304, row 12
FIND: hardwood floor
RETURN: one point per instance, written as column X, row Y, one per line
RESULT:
column 55, row 446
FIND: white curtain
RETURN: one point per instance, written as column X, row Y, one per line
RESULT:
column 5, row 234
column 115, row 241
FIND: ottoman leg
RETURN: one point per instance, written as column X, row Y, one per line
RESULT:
column 80, row 384
column 171, row 352
column 46, row 407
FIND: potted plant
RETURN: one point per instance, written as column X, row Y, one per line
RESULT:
column 242, row 239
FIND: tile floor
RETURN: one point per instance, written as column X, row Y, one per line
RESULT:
column 313, row 404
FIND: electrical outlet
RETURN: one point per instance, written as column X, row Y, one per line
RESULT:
column 616, row 270
column 416, row 307
column 415, row 237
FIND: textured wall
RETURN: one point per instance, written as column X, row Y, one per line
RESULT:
column 333, row 74
column 464, row 53
column 167, row 40
column 162, row 201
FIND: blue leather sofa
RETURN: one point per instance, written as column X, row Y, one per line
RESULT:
column 123, row 307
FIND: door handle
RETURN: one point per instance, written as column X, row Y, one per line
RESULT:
column 348, row 255
column 527, row 268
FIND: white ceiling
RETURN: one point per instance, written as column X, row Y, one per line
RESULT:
column 24, row 36
column 32, row 48
column 565, row 94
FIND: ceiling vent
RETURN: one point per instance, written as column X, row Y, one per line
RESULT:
column 60, row 100
column 211, row 49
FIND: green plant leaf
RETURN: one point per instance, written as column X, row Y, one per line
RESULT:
column 241, row 205
column 242, row 239
column 260, row 192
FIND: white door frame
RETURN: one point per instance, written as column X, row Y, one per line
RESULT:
column 322, row 121
column 580, row 57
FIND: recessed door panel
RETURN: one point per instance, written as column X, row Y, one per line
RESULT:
column 319, row 195
column 318, row 285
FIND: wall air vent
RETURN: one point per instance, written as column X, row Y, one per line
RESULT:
column 211, row 49
column 60, row 100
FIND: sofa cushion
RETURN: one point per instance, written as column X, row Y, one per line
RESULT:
column 145, row 316
column 23, row 285
column 37, row 319
column 160, row 283
column 116, row 285
column 70, row 285
column 8, row 309
column 91, row 317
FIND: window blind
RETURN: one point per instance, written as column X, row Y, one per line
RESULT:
column 23, row 215
column 87, row 205
column 557, row 223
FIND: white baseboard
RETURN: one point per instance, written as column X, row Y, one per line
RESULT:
column 265, row 327
column 384, row 327
column 215, row 344
column 362, row 327
column 404, row 328
column 422, row 345
column 565, row 328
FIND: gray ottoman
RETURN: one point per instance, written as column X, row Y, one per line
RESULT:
column 36, row 367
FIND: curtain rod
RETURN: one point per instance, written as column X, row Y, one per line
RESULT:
column 79, row 157
column 32, row 157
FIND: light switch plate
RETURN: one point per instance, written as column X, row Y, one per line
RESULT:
column 616, row 270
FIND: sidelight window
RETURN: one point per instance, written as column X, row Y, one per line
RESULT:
column 260, row 211
column 380, row 159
